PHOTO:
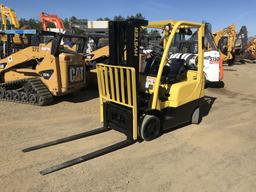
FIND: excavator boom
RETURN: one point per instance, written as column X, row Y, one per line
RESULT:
column 50, row 18
column 9, row 13
column 225, row 40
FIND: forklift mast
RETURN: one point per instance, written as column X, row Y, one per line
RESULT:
column 123, row 74
column 124, row 42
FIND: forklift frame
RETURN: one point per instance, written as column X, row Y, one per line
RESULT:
column 118, row 86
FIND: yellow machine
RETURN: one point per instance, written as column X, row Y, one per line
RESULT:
column 9, row 20
column 171, row 84
column 225, row 40
column 143, row 103
column 36, row 73
column 231, row 44
column 9, row 13
column 98, row 55
column 251, row 49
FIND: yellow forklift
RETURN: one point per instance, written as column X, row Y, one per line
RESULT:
column 139, row 101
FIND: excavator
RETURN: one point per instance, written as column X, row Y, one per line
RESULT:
column 39, row 71
column 9, row 20
column 231, row 44
column 13, row 19
column 46, row 19
column 251, row 49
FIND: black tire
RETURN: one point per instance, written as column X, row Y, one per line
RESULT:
column 2, row 92
column 150, row 128
column 32, row 98
column 24, row 97
column 196, row 116
column 8, row 95
column 16, row 96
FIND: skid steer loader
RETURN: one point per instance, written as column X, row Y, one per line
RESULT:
column 38, row 71
column 143, row 103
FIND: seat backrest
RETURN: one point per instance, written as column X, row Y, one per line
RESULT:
column 174, row 71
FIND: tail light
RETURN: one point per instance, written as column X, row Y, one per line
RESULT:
column 67, row 58
column 221, row 68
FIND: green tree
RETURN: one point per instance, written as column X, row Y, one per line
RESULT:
column 137, row 16
column 31, row 24
column 119, row 18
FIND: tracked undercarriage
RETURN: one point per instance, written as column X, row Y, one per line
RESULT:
column 27, row 91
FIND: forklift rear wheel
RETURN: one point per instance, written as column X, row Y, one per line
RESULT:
column 150, row 127
column 196, row 116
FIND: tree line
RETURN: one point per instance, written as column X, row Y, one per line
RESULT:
column 37, row 24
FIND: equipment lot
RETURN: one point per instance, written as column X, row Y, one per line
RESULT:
column 217, row 155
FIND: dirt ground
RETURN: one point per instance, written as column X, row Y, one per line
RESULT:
column 217, row 155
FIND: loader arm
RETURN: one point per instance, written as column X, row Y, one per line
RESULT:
column 242, row 38
column 9, row 13
column 230, row 33
column 251, row 49
column 22, row 56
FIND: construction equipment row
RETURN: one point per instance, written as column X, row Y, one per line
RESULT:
column 144, row 87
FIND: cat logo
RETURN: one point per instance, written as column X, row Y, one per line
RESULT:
column 76, row 74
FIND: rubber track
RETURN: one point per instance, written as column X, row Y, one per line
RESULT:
column 36, row 87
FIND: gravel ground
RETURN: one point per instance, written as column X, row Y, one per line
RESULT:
column 217, row 155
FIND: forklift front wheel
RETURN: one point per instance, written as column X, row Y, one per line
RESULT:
column 150, row 128
column 196, row 116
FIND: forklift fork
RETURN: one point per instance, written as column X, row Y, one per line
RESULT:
column 67, row 139
column 89, row 156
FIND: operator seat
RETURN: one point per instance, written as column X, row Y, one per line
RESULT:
column 174, row 71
